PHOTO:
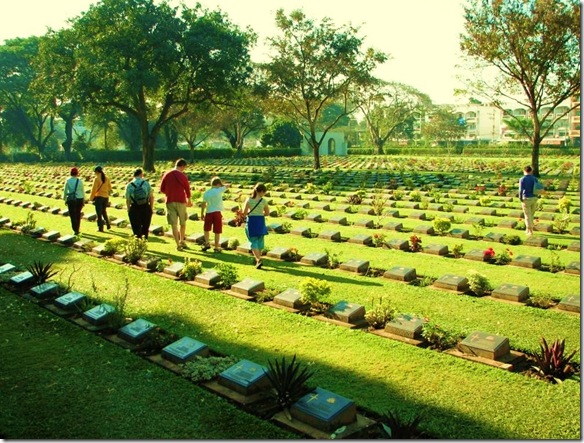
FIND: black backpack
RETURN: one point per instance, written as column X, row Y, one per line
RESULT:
column 139, row 196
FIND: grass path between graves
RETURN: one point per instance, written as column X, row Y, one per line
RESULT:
column 460, row 399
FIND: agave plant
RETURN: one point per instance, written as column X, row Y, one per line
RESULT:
column 552, row 363
column 41, row 272
column 289, row 381
column 399, row 429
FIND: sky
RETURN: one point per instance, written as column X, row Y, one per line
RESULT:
column 420, row 36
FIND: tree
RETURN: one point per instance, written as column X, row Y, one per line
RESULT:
column 390, row 110
column 282, row 134
column 444, row 124
column 52, row 62
column 26, row 115
column 244, row 114
column 144, row 59
column 533, row 47
column 316, row 65
column 196, row 126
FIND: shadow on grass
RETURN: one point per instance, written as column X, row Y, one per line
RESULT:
column 17, row 249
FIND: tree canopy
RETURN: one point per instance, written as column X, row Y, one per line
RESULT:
column 153, row 63
column 316, row 64
column 534, row 48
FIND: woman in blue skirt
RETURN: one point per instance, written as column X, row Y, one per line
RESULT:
column 256, row 209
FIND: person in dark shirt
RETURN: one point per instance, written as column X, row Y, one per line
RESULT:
column 528, row 198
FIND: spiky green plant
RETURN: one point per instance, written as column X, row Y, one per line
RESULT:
column 288, row 380
column 552, row 363
column 398, row 428
column 41, row 272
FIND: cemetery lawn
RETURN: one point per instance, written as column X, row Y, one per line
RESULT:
column 62, row 382
column 109, row 393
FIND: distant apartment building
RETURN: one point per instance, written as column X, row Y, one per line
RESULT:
column 483, row 122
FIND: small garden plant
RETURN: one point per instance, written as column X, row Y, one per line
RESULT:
column 288, row 380
column 441, row 225
column 415, row 243
column 314, row 291
column 380, row 313
column 202, row 369
column 398, row 428
column 228, row 274
column 478, row 283
column 134, row 249
column 437, row 337
column 41, row 272
column 553, row 363
column 191, row 268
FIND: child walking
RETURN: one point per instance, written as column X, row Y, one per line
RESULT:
column 213, row 204
column 256, row 208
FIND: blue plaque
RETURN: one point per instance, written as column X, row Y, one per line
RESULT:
column 7, row 267
column 70, row 301
column 21, row 278
column 324, row 410
column 136, row 331
column 245, row 377
column 99, row 314
column 44, row 289
column 184, row 350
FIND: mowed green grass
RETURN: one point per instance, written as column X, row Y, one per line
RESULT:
column 461, row 399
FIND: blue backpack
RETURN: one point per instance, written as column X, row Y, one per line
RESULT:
column 139, row 196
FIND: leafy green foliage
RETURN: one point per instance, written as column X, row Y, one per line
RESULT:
column 206, row 368
column 135, row 248
column 441, row 225
column 191, row 268
column 478, row 283
column 314, row 290
column 41, row 272
column 553, row 363
column 437, row 337
column 228, row 274
column 114, row 246
column 288, row 380
column 380, row 313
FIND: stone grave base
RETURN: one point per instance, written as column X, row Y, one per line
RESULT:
column 121, row 342
column 239, row 295
column 361, row 323
column 61, row 312
column 271, row 304
column 409, row 341
column 166, row 364
column 359, row 424
column 88, row 326
column 506, row 362
column 241, row 399
column 165, row 275
column 199, row 284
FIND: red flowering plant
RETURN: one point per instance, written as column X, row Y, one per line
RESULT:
column 239, row 217
column 488, row 254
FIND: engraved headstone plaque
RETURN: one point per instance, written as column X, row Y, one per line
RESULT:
column 436, row 249
column 401, row 273
column 290, row 298
column 570, row 303
column 483, row 344
column 324, row 410
column 347, row 312
column 6, row 268
column 174, row 269
column 98, row 315
column 405, row 325
column 452, row 282
column 22, row 278
column 70, row 301
column 511, row 292
column 361, row 239
column 354, row 265
column 209, row 277
column 526, row 261
column 245, row 377
column 136, row 331
column 184, row 349
column 330, row 235
column 315, row 259
column 248, row 287
column 44, row 289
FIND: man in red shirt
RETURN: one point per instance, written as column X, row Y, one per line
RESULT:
column 175, row 185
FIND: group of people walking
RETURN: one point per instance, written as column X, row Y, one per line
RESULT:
column 175, row 186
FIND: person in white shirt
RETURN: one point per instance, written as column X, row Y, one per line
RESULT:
column 211, row 213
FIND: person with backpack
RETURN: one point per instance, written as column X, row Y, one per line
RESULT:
column 140, row 204
column 73, row 196
column 256, row 209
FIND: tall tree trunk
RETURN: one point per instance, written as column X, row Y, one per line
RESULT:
column 148, row 154
column 315, row 151
column 535, row 157
column 68, row 142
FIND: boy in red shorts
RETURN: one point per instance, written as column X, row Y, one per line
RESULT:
column 213, row 204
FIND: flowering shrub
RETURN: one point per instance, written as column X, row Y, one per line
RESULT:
column 502, row 190
column 415, row 243
column 488, row 254
column 378, row 240
column 478, row 283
